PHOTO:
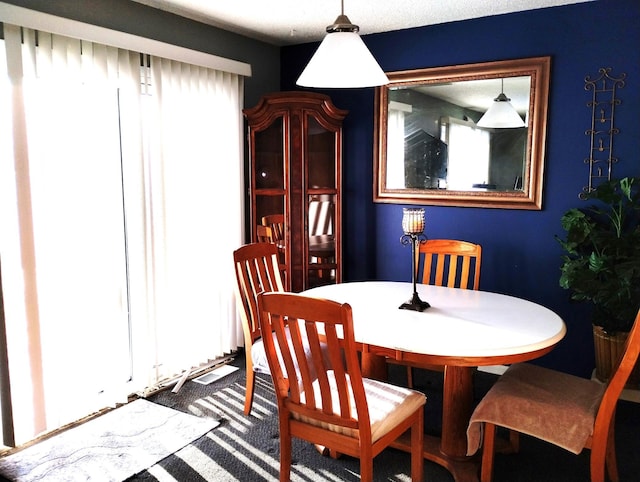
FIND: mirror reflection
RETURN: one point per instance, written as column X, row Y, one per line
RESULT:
column 434, row 140
column 471, row 137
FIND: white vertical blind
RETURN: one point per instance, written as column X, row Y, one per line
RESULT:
column 69, row 234
column 395, row 144
column 195, row 180
column 120, row 212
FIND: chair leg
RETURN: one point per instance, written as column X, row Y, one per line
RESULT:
column 409, row 377
column 610, row 454
column 248, row 397
column 514, row 441
column 488, row 449
column 612, row 464
column 322, row 450
column 417, row 446
column 285, row 452
column 366, row 465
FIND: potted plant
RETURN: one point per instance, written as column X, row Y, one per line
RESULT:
column 601, row 264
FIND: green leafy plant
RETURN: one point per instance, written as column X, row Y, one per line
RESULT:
column 602, row 260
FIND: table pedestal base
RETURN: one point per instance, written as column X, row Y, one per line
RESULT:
column 464, row 469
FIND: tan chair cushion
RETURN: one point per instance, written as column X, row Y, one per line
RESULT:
column 259, row 357
column 388, row 405
column 547, row 404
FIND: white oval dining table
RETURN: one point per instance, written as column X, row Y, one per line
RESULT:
column 461, row 330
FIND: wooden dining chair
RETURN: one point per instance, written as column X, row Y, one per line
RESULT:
column 276, row 226
column 568, row 411
column 276, row 223
column 447, row 262
column 257, row 270
column 264, row 234
column 328, row 402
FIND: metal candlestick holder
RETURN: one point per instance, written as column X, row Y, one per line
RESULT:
column 413, row 227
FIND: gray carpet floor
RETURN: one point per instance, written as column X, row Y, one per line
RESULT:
column 247, row 448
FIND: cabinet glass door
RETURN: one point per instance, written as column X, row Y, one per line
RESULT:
column 321, row 205
column 322, row 245
column 269, row 188
column 269, row 157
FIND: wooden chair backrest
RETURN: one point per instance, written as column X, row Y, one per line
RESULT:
column 314, row 320
column 615, row 385
column 256, row 267
column 276, row 223
column 264, row 234
column 449, row 262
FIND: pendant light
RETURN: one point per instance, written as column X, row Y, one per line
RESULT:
column 501, row 114
column 342, row 60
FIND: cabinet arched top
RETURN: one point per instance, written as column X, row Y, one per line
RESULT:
column 278, row 103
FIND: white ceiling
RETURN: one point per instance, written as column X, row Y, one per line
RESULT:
column 286, row 22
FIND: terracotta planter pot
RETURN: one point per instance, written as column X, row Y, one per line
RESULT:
column 608, row 349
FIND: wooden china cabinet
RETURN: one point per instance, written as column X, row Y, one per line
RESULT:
column 295, row 146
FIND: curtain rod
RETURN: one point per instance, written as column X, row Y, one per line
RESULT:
column 72, row 28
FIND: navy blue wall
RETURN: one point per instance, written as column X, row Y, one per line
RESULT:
column 520, row 254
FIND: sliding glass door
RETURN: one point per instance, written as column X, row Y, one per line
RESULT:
column 113, row 192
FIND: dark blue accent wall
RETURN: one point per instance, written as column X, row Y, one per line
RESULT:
column 520, row 254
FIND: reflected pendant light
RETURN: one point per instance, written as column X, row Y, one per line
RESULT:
column 342, row 60
column 501, row 114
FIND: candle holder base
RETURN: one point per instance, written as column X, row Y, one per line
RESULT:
column 415, row 304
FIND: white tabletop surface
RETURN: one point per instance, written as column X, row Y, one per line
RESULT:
column 459, row 323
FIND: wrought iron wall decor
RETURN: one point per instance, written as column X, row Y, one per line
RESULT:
column 603, row 104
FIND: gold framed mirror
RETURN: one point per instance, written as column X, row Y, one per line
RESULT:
column 433, row 144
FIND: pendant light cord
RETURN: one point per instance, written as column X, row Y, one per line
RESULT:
column 342, row 23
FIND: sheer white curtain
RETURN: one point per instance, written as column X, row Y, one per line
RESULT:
column 119, row 212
